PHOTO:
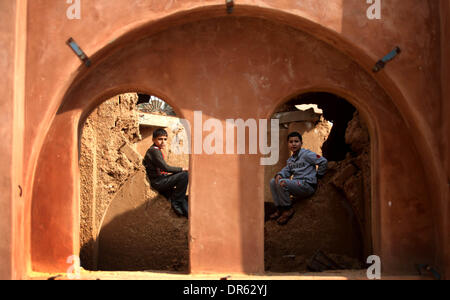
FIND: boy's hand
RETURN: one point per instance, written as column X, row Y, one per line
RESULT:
column 277, row 179
column 185, row 170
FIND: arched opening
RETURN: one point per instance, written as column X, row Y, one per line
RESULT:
column 225, row 70
column 331, row 229
column 125, row 224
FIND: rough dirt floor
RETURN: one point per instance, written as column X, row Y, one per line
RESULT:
column 327, row 275
column 148, row 237
column 320, row 223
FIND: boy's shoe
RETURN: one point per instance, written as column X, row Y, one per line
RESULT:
column 275, row 215
column 286, row 216
column 185, row 208
column 178, row 209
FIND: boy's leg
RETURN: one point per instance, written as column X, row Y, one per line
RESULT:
column 179, row 195
column 284, row 194
column 296, row 188
column 178, row 198
column 275, row 190
column 176, row 186
column 167, row 193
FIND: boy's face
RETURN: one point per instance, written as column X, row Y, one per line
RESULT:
column 160, row 141
column 294, row 144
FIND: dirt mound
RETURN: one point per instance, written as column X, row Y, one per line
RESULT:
column 142, row 233
column 323, row 222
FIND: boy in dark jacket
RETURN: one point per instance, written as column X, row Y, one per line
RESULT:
column 301, row 166
column 171, row 182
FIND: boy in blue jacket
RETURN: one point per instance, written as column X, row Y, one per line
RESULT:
column 301, row 166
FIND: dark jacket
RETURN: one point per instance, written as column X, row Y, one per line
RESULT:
column 155, row 164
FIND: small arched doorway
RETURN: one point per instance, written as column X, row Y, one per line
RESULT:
column 331, row 229
column 125, row 225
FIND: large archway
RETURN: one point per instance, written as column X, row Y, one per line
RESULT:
column 214, row 66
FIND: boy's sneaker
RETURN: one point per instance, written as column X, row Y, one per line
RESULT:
column 178, row 209
column 185, row 208
column 286, row 216
column 275, row 215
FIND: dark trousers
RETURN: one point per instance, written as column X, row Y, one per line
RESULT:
column 173, row 187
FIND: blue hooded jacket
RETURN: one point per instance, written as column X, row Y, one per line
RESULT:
column 303, row 166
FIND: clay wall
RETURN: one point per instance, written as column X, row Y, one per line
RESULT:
column 13, row 227
column 107, row 161
column 445, row 67
column 7, row 52
column 314, row 135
